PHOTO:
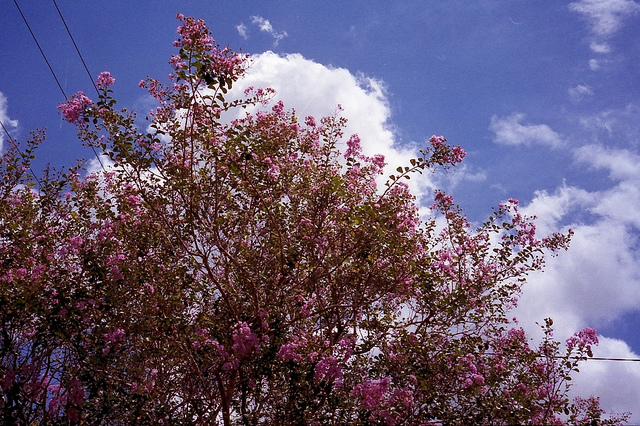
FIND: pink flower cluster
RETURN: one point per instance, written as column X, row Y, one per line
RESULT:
column 290, row 350
column 244, row 340
column 194, row 34
column 377, row 397
column 453, row 156
column 583, row 339
column 372, row 393
column 354, row 147
column 274, row 169
column 112, row 340
column 442, row 201
column 105, row 80
column 328, row 370
column 73, row 109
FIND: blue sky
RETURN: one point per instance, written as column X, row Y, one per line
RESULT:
column 544, row 97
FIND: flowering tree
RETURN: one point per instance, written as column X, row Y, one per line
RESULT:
column 247, row 271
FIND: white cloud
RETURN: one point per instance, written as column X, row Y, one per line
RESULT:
column 594, row 65
column 580, row 92
column 243, row 30
column 314, row 89
column 622, row 164
column 265, row 26
column 510, row 131
column 600, row 47
column 598, row 279
column 600, row 377
column 605, row 16
column 10, row 125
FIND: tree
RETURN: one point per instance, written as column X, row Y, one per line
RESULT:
column 246, row 271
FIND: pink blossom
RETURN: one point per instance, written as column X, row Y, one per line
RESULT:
column 353, row 147
column 115, row 336
column 278, row 108
column 378, row 161
column 310, row 121
column 75, row 107
column 583, row 339
column 194, row 34
column 105, row 80
column 372, row 393
column 442, row 201
column 290, row 350
column 458, row 154
column 244, row 340
column 21, row 273
column 327, row 369
column 437, row 140
column 134, row 200
column 177, row 62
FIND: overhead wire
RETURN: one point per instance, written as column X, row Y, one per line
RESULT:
column 594, row 358
column 10, row 138
column 35, row 39
column 85, row 67
column 39, row 47
column 597, row 358
column 76, row 46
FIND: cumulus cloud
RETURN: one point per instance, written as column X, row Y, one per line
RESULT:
column 622, row 164
column 511, row 131
column 605, row 16
column 315, row 89
column 9, row 124
column 598, row 279
column 594, row 65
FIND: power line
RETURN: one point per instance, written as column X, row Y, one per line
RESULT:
column 594, row 358
column 85, row 68
column 597, row 358
column 51, row 69
column 76, row 46
column 41, row 51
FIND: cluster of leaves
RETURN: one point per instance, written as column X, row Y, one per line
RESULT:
column 245, row 271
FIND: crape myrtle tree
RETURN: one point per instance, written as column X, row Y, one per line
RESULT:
column 245, row 271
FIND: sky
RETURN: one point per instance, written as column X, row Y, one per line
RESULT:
column 543, row 96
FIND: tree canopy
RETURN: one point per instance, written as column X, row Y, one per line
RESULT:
column 226, row 267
